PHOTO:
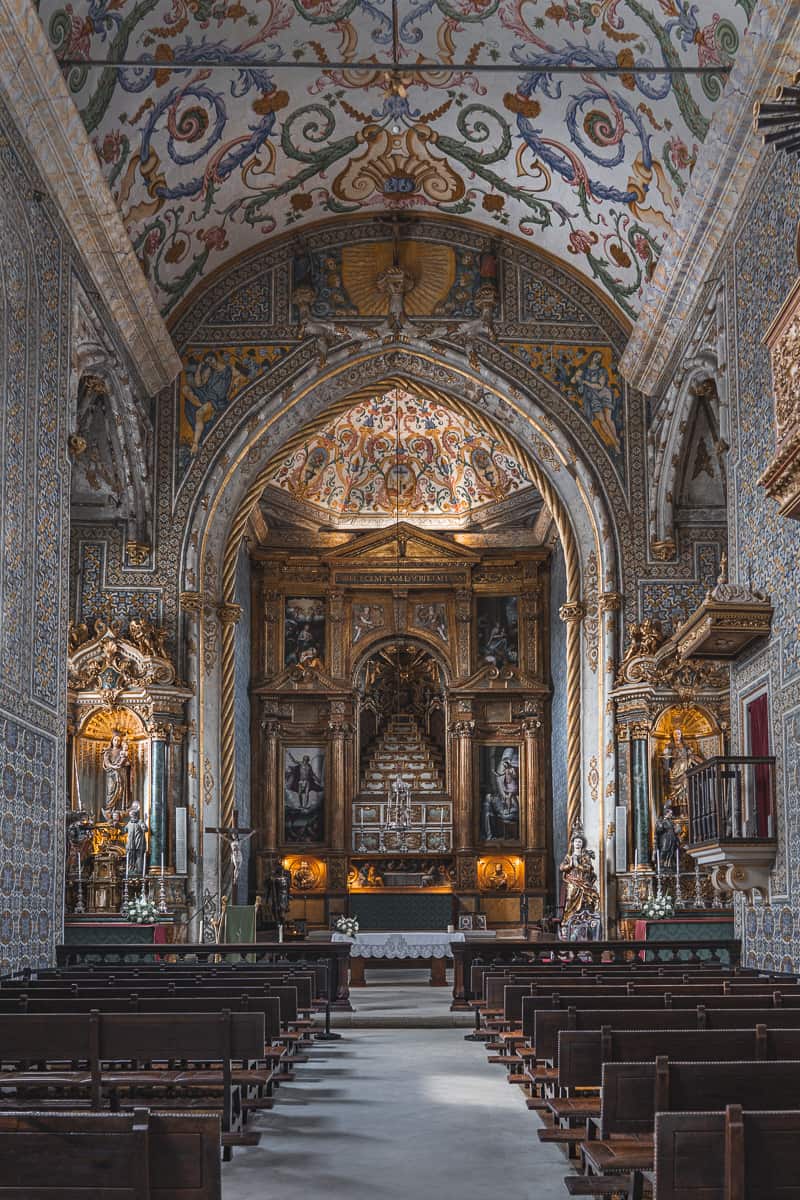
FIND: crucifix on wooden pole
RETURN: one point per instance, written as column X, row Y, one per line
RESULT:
column 235, row 835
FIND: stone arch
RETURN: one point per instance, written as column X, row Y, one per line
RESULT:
column 566, row 477
column 669, row 444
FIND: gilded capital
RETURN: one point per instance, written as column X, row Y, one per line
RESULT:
column 193, row 603
column 640, row 729
column 573, row 611
column 229, row 614
column 610, row 602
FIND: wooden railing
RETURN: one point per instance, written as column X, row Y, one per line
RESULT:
column 506, row 952
column 335, row 954
column 732, row 799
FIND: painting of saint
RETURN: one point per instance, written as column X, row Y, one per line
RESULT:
column 206, row 394
column 304, row 632
column 366, row 619
column 498, row 630
column 498, row 775
column 592, row 381
column 432, row 618
column 303, row 794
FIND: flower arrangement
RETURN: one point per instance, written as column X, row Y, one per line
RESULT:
column 348, row 926
column 655, row 908
column 140, row 911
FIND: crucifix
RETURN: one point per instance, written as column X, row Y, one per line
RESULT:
column 235, row 835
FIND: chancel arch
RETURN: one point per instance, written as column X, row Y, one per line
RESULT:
column 235, row 506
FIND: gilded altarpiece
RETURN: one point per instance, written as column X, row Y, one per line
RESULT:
column 402, row 680
column 126, row 726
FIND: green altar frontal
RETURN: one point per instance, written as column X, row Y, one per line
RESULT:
column 402, row 911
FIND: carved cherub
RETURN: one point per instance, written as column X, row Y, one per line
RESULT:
column 148, row 638
column 77, row 635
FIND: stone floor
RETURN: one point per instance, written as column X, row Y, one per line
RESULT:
column 397, row 1110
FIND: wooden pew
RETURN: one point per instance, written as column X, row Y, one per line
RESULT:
column 39, row 1046
column 633, row 1093
column 552, row 1024
column 109, row 1156
column 732, row 1155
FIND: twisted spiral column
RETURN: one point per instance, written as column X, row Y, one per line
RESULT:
column 572, row 615
column 229, row 615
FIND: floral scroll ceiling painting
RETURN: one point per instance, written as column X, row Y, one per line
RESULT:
column 284, row 112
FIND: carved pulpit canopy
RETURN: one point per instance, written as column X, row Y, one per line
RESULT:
column 731, row 616
column 108, row 664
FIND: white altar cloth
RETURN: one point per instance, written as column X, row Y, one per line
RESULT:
column 422, row 944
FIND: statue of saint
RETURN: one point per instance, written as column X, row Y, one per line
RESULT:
column 279, row 894
column 667, row 840
column 580, row 879
column 117, row 768
column 679, row 757
column 136, row 843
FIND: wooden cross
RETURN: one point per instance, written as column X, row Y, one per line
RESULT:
column 234, row 835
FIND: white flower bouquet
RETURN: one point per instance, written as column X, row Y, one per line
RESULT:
column 658, row 907
column 140, row 911
column 348, row 926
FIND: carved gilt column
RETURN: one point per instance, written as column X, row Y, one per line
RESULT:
column 267, row 798
column 341, row 743
column 462, row 733
column 463, row 632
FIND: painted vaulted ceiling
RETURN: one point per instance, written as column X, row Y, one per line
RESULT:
column 393, row 454
column 501, row 111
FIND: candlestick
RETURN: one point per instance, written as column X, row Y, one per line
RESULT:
column 162, row 891
column 636, row 860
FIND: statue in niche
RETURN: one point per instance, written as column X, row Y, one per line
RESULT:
column 581, row 897
column 679, row 757
column 136, row 843
column 667, row 838
column 117, row 768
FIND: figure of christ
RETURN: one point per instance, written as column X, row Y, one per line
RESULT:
column 302, row 778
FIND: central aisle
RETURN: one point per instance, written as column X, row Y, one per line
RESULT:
column 396, row 1113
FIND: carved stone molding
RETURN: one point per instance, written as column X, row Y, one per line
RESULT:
column 37, row 94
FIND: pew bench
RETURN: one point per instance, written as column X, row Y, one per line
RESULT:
column 99, row 1156
column 621, row 1140
column 130, row 1056
column 733, row 1155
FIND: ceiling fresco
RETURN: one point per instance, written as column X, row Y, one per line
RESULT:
column 396, row 454
column 501, row 111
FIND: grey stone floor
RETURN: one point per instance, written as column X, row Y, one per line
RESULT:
column 394, row 1113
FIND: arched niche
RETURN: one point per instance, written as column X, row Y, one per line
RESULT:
column 682, row 736
column 111, row 764
column 401, row 674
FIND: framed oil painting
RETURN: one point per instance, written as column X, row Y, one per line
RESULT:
column 498, row 630
column 304, row 631
column 498, row 781
column 303, row 795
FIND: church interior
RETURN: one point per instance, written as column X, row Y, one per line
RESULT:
column 399, row 574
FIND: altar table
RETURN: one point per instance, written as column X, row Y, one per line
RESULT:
column 400, row 949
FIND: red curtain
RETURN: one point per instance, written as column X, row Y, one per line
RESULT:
column 758, row 738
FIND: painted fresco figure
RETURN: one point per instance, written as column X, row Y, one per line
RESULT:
column 592, row 381
column 210, row 386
